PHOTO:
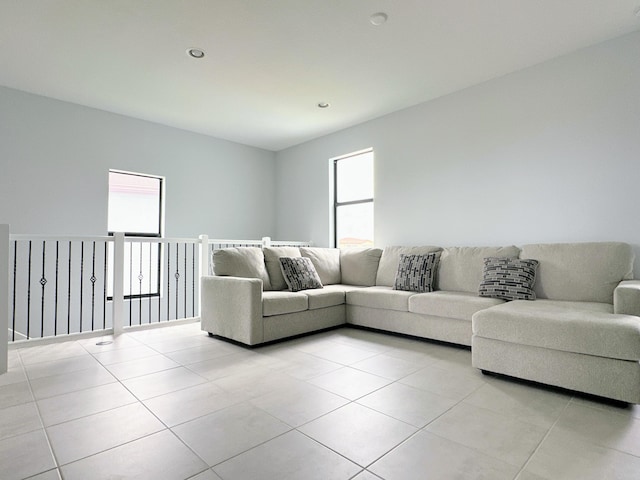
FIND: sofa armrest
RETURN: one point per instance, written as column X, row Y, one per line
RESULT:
column 232, row 308
column 626, row 298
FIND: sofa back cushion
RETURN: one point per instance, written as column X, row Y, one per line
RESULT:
column 390, row 260
column 461, row 268
column 585, row 272
column 247, row 262
column 359, row 266
column 326, row 261
column 272, row 262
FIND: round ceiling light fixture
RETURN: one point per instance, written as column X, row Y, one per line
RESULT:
column 324, row 105
column 195, row 53
column 378, row 18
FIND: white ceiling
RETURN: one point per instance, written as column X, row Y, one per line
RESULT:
column 269, row 62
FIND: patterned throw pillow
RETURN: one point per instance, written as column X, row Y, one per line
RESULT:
column 416, row 272
column 299, row 273
column 508, row 278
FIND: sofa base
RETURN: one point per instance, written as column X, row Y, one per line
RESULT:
column 426, row 326
column 604, row 377
column 291, row 324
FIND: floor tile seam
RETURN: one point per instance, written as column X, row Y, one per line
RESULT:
column 143, row 374
column 541, row 442
column 308, row 421
column 76, row 390
column 89, row 367
column 601, row 410
column 44, row 429
column 31, row 430
column 57, row 469
column 92, row 414
column 315, row 440
column 509, row 417
column 49, row 360
column 588, row 440
column 113, row 447
column 339, row 362
column 478, row 451
column 342, row 396
column 120, row 361
column 235, row 403
column 212, row 467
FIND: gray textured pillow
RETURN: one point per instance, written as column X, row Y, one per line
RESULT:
column 416, row 272
column 508, row 278
column 299, row 273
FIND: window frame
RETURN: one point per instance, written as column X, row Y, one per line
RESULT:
column 337, row 204
column 158, row 290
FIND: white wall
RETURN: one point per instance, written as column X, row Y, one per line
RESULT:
column 54, row 159
column 547, row 154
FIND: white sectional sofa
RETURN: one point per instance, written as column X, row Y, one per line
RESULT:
column 582, row 332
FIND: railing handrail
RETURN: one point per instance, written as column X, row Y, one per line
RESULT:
column 61, row 238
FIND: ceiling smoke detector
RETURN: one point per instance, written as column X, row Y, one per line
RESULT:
column 378, row 19
column 324, row 105
column 195, row 53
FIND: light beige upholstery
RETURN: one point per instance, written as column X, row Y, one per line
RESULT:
column 390, row 259
column 460, row 268
column 425, row 326
column 232, row 308
column 589, row 329
column 380, row 297
column 606, row 377
column 287, row 325
column 458, row 305
column 244, row 262
column 626, row 298
column 272, row 262
column 359, row 266
column 326, row 261
column 583, row 272
column 277, row 303
column 324, row 297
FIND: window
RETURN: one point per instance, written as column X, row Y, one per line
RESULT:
column 135, row 208
column 353, row 200
column 135, row 204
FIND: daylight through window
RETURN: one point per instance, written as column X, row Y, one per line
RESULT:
column 135, row 208
column 353, row 200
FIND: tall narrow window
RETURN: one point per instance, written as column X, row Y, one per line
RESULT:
column 353, row 200
column 135, row 208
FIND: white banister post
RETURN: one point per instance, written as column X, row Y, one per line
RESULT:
column 266, row 242
column 118, row 283
column 204, row 266
column 4, row 298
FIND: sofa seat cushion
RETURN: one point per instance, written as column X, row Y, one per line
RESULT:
column 579, row 327
column 277, row 303
column 326, row 297
column 458, row 305
column 380, row 297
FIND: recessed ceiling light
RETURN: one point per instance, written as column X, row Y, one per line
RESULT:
column 378, row 18
column 195, row 53
column 324, row 105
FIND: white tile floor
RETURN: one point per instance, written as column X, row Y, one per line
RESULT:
column 173, row 403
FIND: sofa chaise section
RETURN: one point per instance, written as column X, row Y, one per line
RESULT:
column 574, row 335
